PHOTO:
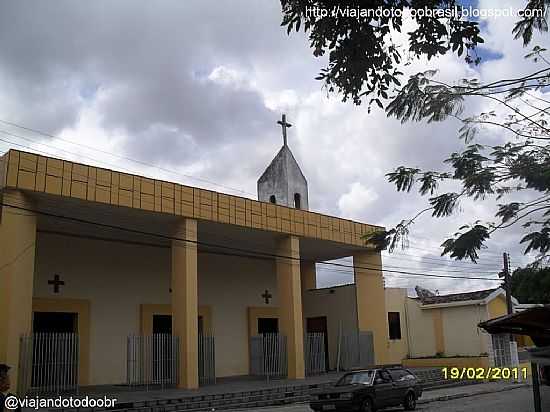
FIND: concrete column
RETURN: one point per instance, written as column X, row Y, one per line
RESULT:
column 290, row 304
column 17, row 254
column 371, row 301
column 308, row 275
column 185, row 302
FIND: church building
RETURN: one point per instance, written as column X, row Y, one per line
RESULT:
column 111, row 259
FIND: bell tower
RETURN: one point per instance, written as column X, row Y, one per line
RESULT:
column 283, row 183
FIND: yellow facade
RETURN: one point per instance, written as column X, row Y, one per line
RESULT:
column 25, row 176
column 308, row 275
column 290, row 308
column 27, row 171
column 17, row 255
column 497, row 307
column 463, row 362
column 438, row 331
column 185, row 302
column 371, row 301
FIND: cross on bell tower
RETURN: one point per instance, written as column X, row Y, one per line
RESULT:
column 282, row 182
column 284, row 126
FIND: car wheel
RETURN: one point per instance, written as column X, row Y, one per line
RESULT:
column 410, row 402
column 367, row 406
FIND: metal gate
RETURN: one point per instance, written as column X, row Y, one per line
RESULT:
column 268, row 356
column 48, row 363
column 356, row 350
column 207, row 359
column 152, row 360
column 314, row 349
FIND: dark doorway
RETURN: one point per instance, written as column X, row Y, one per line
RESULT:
column 163, row 324
column 268, row 325
column 55, row 322
column 319, row 325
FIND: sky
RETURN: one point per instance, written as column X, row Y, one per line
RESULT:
column 193, row 89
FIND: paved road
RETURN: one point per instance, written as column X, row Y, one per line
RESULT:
column 516, row 400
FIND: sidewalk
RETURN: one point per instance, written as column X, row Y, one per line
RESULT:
column 445, row 394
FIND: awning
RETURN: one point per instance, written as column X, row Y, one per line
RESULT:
column 533, row 322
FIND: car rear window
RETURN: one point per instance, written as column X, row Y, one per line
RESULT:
column 363, row 378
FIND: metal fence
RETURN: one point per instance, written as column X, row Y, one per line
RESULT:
column 314, row 348
column 207, row 360
column 48, row 363
column 268, row 356
column 152, row 360
column 356, row 350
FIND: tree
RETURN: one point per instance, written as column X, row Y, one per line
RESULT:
column 363, row 62
column 531, row 285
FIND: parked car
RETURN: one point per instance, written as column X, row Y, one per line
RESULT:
column 368, row 390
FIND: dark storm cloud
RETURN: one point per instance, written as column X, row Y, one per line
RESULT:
column 149, row 63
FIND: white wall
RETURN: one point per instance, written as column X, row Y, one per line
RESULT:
column 117, row 278
column 339, row 305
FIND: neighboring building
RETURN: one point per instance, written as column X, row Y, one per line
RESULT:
column 107, row 255
column 428, row 329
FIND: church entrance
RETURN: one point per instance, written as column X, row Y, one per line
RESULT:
column 54, row 347
column 268, row 325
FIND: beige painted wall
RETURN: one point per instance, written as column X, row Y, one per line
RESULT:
column 117, row 278
column 395, row 302
column 339, row 305
column 462, row 337
column 421, row 330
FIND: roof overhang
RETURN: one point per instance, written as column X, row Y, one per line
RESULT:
column 498, row 292
column 534, row 322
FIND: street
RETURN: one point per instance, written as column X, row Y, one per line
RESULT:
column 517, row 400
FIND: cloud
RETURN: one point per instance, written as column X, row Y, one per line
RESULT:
column 353, row 203
column 197, row 87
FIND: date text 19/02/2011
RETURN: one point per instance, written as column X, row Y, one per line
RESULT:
column 484, row 373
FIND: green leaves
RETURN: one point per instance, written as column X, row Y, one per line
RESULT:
column 538, row 241
column 419, row 100
column 403, row 177
column 509, row 211
column 467, row 244
column 363, row 60
column 445, row 204
column 531, row 285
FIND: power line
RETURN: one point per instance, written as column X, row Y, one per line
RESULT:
column 248, row 253
column 141, row 162
column 256, row 242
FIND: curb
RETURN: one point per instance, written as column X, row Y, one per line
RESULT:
column 444, row 398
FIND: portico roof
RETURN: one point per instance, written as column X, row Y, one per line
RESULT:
column 58, row 185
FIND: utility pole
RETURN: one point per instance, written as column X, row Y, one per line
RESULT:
column 507, row 282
